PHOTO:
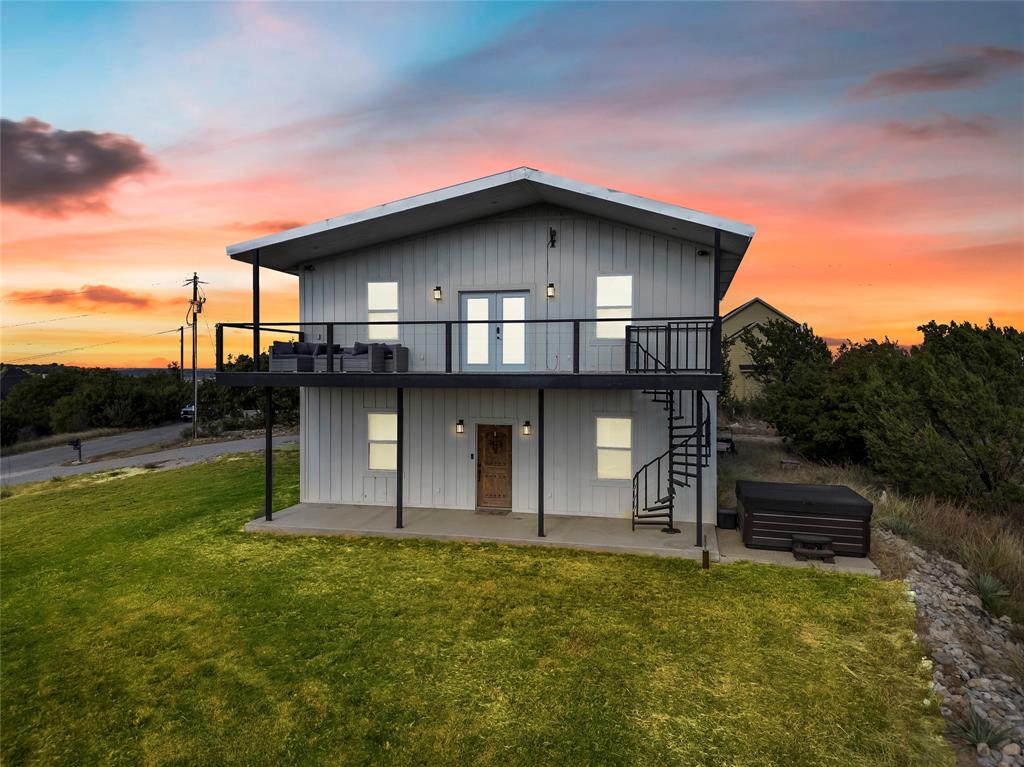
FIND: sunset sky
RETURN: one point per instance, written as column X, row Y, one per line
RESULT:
column 878, row 148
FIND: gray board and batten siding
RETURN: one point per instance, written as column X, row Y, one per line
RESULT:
column 509, row 251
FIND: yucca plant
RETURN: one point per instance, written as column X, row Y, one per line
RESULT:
column 991, row 590
column 1017, row 663
column 974, row 729
column 897, row 524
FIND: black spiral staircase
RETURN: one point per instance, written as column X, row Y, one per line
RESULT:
column 688, row 423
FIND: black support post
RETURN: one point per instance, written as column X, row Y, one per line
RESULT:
column 700, row 468
column 220, row 348
column 268, row 470
column 256, row 311
column 401, row 449
column 448, row 347
column 540, row 463
column 576, row 347
column 716, row 327
column 330, row 347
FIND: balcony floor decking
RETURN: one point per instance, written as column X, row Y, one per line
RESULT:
column 695, row 381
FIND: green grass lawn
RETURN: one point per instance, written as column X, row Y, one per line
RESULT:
column 141, row 626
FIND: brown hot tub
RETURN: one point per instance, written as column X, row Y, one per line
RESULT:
column 770, row 513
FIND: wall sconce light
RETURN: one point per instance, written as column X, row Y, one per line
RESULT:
column 552, row 237
column 527, row 429
column 460, row 426
column 551, row 290
column 438, row 295
column 702, row 252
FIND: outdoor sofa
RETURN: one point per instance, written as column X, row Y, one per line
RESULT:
column 304, row 357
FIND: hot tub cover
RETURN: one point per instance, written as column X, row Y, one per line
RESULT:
column 839, row 500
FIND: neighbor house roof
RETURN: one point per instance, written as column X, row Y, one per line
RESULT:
column 287, row 251
column 755, row 300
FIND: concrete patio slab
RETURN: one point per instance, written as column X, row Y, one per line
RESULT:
column 574, row 532
column 731, row 549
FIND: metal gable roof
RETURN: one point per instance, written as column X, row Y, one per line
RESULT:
column 765, row 304
column 287, row 251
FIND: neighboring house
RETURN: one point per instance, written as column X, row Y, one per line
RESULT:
column 755, row 313
column 9, row 378
column 547, row 346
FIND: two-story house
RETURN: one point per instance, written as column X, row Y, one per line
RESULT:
column 521, row 341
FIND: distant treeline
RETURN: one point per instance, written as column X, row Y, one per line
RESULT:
column 944, row 418
column 70, row 399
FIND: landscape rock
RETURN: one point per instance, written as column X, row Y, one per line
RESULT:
column 970, row 648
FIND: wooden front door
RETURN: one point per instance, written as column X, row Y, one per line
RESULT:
column 494, row 467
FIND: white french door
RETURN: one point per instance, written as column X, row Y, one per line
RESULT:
column 491, row 341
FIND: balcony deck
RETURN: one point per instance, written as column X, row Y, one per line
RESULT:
column 583, row 353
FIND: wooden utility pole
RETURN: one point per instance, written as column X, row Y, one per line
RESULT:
column 195, row 308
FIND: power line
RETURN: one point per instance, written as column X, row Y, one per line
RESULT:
column 91, row 346
column 39, row 322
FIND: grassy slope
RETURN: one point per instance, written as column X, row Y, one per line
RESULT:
column 141, row 626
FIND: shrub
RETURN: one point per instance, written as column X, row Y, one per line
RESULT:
column 211, row 429
column 947, row 418
column 952, row 421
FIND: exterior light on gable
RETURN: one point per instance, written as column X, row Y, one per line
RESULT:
column 527, row 429
column 438, row 295
column 702, row 252
column 552, row 237
column 551, row 290
column 460, row 426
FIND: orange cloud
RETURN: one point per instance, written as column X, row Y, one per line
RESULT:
column 87, row 296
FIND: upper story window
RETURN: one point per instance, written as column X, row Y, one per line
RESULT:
column 382, row 433
column 614, row 448
column 614, row 299
column 382, row 306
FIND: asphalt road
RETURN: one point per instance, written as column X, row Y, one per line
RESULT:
column 46, row 464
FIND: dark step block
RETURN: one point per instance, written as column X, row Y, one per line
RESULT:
column 803, row 554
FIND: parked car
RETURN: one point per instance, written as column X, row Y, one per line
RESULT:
column 188, row 412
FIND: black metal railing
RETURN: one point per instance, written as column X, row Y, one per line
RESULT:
column 675, row 346
column 573, row 345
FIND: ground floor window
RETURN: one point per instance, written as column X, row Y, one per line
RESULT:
column 382, row 431
column 614, row 448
